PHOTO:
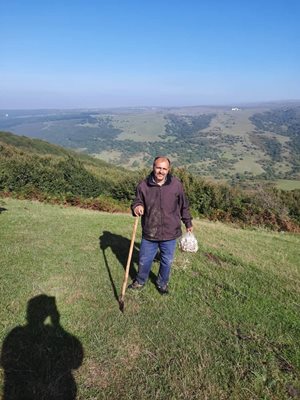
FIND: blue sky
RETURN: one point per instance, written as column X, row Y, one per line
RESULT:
column 83, row 54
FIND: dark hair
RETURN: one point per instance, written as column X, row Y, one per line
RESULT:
column 166, row 158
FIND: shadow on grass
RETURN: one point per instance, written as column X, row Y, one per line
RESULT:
column 119, row 245
column 38, row 358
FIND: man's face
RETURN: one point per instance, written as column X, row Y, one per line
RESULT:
column 161, row 169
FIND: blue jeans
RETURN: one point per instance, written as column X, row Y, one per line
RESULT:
column 147, row 253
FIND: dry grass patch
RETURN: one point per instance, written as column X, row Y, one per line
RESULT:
column 93, row 374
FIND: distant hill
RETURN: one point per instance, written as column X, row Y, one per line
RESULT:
column 237, row 143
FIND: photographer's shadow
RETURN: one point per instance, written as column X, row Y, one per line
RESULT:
column 38, row 358
column 120, row 245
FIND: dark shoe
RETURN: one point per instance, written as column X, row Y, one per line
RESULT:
column 162, row 289
column 135, row 285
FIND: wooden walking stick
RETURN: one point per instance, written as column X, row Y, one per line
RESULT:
column 121, row 298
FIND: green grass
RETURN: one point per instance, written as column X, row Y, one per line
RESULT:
column 248, row 164
column 286, row 184
column 140, row 128
column 229, row 329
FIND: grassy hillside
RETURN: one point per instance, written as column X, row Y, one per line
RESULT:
column 43, row 148
column 229, row 329
column 235, row 144
column 37, row 169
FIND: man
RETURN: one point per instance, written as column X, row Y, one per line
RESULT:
column 162, row 204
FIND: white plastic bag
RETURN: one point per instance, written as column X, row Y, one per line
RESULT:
column 188, row 242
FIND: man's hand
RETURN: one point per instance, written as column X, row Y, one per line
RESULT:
column 139, row 210
column 190, row 229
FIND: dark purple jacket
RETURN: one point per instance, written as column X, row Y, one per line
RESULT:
column 164, row 208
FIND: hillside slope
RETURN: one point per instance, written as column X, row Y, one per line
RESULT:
column 43, row 148
column 228, row 330
column 36, row 168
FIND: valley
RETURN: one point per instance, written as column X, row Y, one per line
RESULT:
column 233, row 144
